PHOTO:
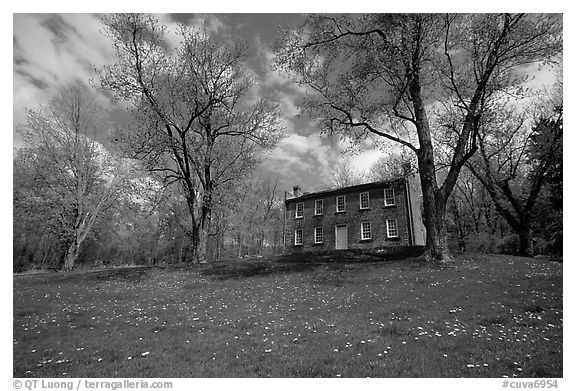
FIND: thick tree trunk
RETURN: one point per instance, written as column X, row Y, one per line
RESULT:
column 71, row 256
column 434, row 209
column 433, row 199
column 525, row 236
column 436, row 243
column 200, row 237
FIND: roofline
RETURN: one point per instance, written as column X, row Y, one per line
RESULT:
column 345, row 189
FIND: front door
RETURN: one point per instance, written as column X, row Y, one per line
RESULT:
column 341, row 237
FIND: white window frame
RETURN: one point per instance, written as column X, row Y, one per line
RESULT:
column 340, row 210
column 316, row 230
column 296, row 242
column 386, row 197
column 362, row 225
column 388, row 228
column 296, row 215
column 367, row 200
column 316, row 207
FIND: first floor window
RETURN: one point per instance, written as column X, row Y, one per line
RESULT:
column 340, row 203
column 300, row 209
column 366, row 230
column 319, row 207
column 298, row 237
column 364, row 200
column 389, row 198
column 392, row 228
column 318, row 235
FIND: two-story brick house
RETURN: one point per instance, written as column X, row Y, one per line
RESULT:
column 370, row 215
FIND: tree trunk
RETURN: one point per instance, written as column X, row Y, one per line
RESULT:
column 200, row 239
column 201, row 247
column 434, row 209
column 436, row 243
column 239, row 255
column 432, row 198
column 525, row 236
column 460, row 226
column 71, row 255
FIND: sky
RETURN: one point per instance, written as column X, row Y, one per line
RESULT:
column 51, row 50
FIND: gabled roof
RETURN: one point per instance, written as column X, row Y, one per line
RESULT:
column 348, row 189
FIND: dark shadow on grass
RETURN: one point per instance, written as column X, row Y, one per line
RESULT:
column 307, row 261
column 129, row 274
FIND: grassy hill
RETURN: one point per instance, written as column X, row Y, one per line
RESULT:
column 345, row 314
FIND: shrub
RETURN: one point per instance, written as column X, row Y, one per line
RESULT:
column 482, row 242
column 509, row 244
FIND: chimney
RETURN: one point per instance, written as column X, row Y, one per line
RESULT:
column 296, row 191
column 406, row 168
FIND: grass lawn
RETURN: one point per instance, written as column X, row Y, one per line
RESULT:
column 354, row 316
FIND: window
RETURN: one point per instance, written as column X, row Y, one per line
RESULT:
column 392, row 228
column 318, row 207
column 364, row 200
column 341, row 204
column 365, row 230
column 299, row 209
column 389, row 198
column 298, row 237
column 318, row 235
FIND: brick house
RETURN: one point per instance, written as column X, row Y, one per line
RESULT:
column 370, row 215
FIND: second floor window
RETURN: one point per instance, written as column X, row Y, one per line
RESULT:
column 341, row 204
column 389, row 198
column 365, row 200
column 318, row 207
column 299, row 209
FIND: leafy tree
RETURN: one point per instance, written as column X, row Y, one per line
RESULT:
column 514, row 164
column 35, row 239
column 390, row 166
column 471, row 216
column 255, row 217
column 387, row 75
column 71, row 178
column 196, row 125
column 342, row 175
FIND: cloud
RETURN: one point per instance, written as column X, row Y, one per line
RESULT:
column 172, row 37
column 306, row 160
column 364, row 160
column 212, row 22
column 52, row 50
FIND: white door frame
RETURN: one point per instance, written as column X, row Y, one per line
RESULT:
column 336, row 236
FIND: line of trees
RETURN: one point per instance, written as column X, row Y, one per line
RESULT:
column 177, row 181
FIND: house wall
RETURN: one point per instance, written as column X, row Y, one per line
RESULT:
column 416, row 205
column 352, row 217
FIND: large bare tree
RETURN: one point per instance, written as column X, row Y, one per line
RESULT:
column 387, row 75
column 198, row 124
